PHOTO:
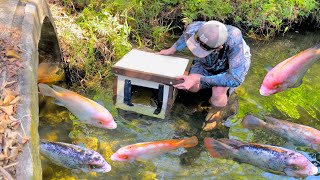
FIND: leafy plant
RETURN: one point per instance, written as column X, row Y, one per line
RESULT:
column 109, row 26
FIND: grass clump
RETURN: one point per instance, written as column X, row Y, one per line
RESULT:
column 91, row 41
column 101, row 31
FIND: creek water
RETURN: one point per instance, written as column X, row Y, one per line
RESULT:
column 299, row 105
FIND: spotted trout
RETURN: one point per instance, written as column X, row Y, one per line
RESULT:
column 299, row 135
column 269, row 158
column 84, row 109
column 148, row 150
column 74, row 157
column 289, row 73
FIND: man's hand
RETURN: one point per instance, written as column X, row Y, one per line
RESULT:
column 189, row 81
column 169, row 51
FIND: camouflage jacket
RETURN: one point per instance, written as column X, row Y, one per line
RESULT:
column 229, row 66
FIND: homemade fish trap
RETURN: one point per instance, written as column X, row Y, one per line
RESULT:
column 144, row 82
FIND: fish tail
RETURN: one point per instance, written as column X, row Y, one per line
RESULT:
column 218, row 149
column 46, row 90
column 252, row 122
column 189, row 142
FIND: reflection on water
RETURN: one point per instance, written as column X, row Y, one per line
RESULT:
column 300, row 105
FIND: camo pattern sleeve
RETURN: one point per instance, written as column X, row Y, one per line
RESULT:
column 238, row 63
column 180, row 44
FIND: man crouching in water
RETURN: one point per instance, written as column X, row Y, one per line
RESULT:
column 222, row 62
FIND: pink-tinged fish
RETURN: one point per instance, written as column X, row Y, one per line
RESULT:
column 289, row 73
column 273, row 159
column 84, row 109
column 299, row 135
column 148, row 150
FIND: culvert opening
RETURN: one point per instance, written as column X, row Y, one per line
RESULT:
column 54, row 120
column 51, row 67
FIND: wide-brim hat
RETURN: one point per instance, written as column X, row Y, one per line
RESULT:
column 212, row 34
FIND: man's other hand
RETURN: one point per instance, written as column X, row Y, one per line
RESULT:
column 169, row 51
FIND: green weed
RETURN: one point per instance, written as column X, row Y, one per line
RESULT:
column 100, row 32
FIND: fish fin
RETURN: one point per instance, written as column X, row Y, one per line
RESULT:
column 297, row 84
column 252, row 122
column 145, row 157
column 272, row 120
column 274, row 172
column 42, row 141
column 189, row 142
column 289, row 145
column 99, row 102
column 46, row 90
column 61, row 89
column 231, row 142
column 289, row 171
column 81, row 144
column 73, row 146
column 78, row 171
column 268, row 68
column 59, row 103
column 218, row 149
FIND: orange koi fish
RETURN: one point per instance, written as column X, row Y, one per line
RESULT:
column 148, row 150
column 49, row 73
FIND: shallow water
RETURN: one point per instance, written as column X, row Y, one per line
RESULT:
column 300, row 105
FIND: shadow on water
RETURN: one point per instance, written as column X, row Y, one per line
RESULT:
column 300, row 105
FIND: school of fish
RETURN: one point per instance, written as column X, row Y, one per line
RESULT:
column 290, row 72
column 299, row 135
column 269, row 158
column 278, row 160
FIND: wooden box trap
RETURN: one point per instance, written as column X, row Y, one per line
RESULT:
column 143, row 82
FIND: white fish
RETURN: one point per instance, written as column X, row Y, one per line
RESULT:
column 86, row 110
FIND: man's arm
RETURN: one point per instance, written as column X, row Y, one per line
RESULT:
column 238, row 65
column 180, row 44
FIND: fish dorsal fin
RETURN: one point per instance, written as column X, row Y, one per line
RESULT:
column 59, row 103
column 231, row 142
column 99, row 102
column 268, row 68
column 81, row 145
column 289, row 145
column 61, row 89
column 43, row 141
column 76, row 148
column 271, row 120
column 72, row 146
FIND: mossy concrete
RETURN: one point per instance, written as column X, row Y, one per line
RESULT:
column 38, row 37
